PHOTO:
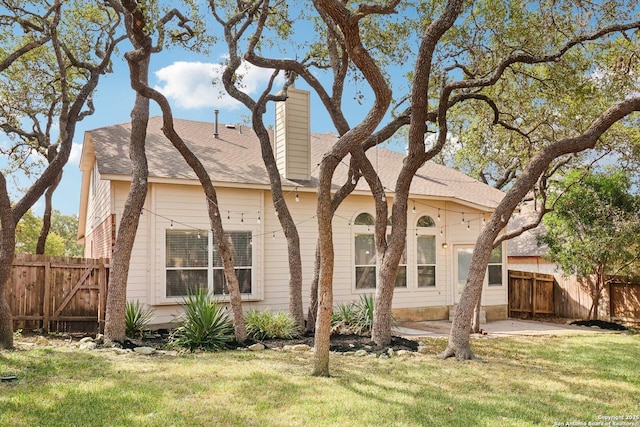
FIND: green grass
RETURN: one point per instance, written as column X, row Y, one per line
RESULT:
column 518, row 382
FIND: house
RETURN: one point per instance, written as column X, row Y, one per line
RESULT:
column 174, row 252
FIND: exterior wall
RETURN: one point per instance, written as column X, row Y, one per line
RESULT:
column 185, row 206
column 98, row 227
column 533, row 264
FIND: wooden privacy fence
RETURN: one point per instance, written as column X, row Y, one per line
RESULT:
column 59, row 294
column 530, row 294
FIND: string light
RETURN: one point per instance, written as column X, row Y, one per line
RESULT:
column 171, row 224
column 199, row 235
column 258, row 219
column 228, row 215
column 463, row 217
column 242, row 217
column 297, row 196
column 438, row 212
column 414, row 207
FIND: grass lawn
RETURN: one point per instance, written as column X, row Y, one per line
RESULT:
column 518, row 382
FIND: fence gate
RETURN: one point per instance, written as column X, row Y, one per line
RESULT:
column 58, row 293
column 530, row 294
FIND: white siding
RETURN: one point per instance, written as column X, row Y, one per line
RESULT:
column 185, row 205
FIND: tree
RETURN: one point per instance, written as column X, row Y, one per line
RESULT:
column 43, row 39
column 139, row 19
column 235, row 28
column 511, row 73
column 593, row 228
column 61, row 241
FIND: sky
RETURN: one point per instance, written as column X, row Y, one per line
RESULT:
column 185, row 79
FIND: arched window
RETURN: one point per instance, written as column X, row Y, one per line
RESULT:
column 364, row 219
column 426, row 221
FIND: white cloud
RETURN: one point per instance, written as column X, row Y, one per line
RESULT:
column 191, row 84
column 76, row 152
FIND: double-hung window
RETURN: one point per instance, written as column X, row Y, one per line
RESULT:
column 365, row 255
column 494, row 269
column 426, row 251
column 193, row 262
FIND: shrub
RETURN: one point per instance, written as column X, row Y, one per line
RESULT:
column 204, row 324
column 265, row 324
column 354, row 317
column 136, row 318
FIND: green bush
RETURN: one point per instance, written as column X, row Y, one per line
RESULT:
column 265, row 324
column 137, row 318
column 354, row 317
column 204, row 324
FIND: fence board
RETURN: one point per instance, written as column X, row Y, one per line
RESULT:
column 58, row 293
column 530, row 294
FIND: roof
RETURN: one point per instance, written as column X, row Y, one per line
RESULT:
column 235, row 158
column 526, row 244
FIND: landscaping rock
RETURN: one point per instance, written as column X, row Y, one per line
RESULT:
column 300, row 347
column 391, row 352
column 145, row 350
column 403, row 353
column 88, row 345
column 86, row 339
column 384, row 356
column 422, row 349
column 256, row 347
column 360, row 353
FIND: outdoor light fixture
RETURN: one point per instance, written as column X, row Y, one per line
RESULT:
column 445, row 245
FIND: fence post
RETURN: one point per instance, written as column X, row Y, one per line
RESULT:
column 101, row 295
column 46, row 306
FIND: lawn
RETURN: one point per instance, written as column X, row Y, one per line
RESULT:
column 517, row 382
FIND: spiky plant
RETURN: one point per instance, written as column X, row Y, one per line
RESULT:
column 137, row 318
column 205, row 324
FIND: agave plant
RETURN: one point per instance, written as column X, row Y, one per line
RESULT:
column 205, row 324
column 136, row 318
column 354, row 317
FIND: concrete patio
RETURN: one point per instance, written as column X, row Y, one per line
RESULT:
column 509, row 327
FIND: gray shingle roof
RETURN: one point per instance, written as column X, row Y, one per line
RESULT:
column 235, row 158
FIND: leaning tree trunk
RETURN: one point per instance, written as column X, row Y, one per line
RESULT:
column 313, row 297
column 46, row 216
column 115, row 327
column 7, row 251
column 460, row 329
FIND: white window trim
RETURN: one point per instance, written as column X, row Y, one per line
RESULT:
column 256, row 282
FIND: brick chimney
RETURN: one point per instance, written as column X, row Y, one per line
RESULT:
column 292, row 137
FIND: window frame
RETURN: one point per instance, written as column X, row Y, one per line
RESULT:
column 421, row 232
column 210, row 266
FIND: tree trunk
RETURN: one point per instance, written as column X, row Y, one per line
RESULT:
column 7, row 251
column 322, row 342
column 475, row 325
column 46, row 217
column 117, row 297
column 313, row 297
column 286, row 220
column 459, row 337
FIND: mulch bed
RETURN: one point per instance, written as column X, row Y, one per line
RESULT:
column 339, row 342
column 600, row 324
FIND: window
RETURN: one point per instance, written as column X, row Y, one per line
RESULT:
column 365, row 261
column 494, row 269
column 193, row 262
column 365, row 255
column 240, row 245
column 426, row 221
column 187, row 262
column 426, row 261
column 426, row 252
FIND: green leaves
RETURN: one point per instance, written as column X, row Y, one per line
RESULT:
column 594, row 224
